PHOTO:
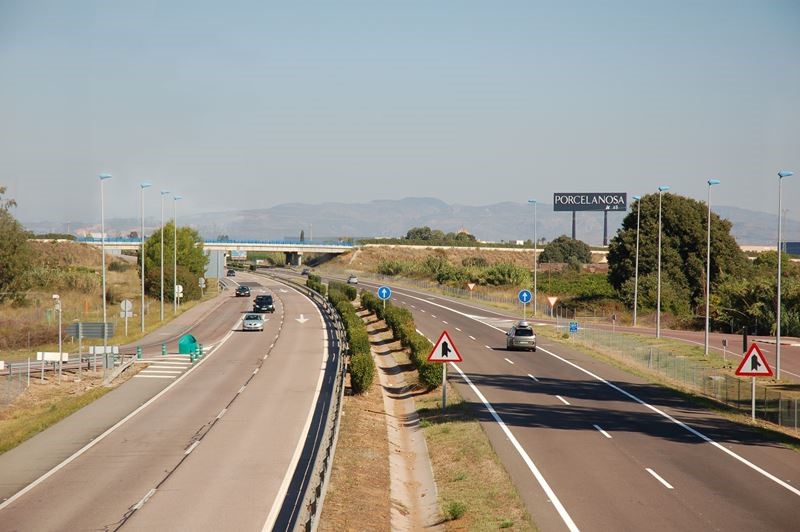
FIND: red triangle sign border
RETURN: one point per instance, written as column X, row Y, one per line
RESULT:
column 760, row 361
column 434, row 355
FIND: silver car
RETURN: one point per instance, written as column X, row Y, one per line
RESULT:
column 521, row 336
column 253, row 322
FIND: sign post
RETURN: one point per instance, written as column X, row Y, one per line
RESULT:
column 552, row 300
column 384, row 292
column 524, row 297
column 126, row 313
column 471, row 287
column 201, row 282
column 444, row 350
column 754, row 365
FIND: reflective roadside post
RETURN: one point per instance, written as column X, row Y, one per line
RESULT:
column 636, row 268
column 711, row 182
column 142, row 186
column 103, row 177
column 535, row 250
column 781, row 175
column 57, row 300
column 163, row 193
column 661, row 190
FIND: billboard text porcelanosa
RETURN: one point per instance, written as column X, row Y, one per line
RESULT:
column 590, row 201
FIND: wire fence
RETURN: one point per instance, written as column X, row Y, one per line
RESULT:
column 695, row 375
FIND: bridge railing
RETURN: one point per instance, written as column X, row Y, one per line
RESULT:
column 298, row 243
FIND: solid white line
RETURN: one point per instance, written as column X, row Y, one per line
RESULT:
column 532, row 377
column 471, row 337
column 176, row 368
column 222, row 413
column 190, row 449
column 527, row 459
column 563, row 400
column 681, row 424
column 140, row 376
column 160, row 372
column 510, row 362
column 658, row 478
column 117, row 425
column 146, row 498
column 284, row 488
column 604, row 433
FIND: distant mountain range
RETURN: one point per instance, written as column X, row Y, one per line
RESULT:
column 393, row 218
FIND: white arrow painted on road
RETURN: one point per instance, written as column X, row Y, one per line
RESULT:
column 302, row 319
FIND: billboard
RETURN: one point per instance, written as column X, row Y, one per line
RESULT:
column 590, row 201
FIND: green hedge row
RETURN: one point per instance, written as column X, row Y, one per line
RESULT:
column 401, row 321
column 362, row 367
column 348, row 290
column 314, row 282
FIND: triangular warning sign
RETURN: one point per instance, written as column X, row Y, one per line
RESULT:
column 754, row 364
column 444, row 350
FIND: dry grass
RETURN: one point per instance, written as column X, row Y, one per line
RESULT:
column 358, row 493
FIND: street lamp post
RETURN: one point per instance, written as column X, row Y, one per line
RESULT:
column 535, row 262
column 661, row 190
column 711, row 182
column 636, row 268
column 57, row 300
column 163, row 193
column 142, row 186
column 781, row 175
column 103, row 177
column 175, row 254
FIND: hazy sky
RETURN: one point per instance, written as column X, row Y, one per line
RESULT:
column 251, row 104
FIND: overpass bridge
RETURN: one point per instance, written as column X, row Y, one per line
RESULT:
column 293, row 249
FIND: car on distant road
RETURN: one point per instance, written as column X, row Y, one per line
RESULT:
column 306, row 272
column 352, row 280
column 231, row 273
column 242, row 291
column 521, row 336
column 263, row 303
column 253, row 322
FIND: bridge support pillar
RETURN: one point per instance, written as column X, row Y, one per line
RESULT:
column 294, row 258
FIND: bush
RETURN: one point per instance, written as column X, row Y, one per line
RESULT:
column 390, row 267
column 362, row 367
column 455, row 510
column 348, row 290
column 362, row 372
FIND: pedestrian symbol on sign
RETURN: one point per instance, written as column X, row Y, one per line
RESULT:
column 445, row 350
column 754, row 363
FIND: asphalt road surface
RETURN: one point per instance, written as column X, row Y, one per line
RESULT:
column 215, row 450
column 592, row 447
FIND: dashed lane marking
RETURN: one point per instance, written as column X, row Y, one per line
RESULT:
column 658, row 478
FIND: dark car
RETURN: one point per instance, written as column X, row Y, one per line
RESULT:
column 521, row 336
column 263, row 303
column 242, row 291
column 231, row 273
column 305, row 272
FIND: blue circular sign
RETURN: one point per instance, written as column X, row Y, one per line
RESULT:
column 524, row 296
column 384, row 292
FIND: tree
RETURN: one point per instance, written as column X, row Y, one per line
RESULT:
column 419, row 233
column 683, row 246
column 565, row 249
column 302, row 235
column 15, row 253
column 191, row 262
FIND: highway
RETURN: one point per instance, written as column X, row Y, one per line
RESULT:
column 210, row 447
column 592, row 447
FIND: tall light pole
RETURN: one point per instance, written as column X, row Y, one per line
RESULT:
column 57, row 300
column 781, row 175
column 636, row 268
column 142, row 186
column 175, row 254
column 535, row 262
column 661, row 190
column 163, row 193
column 711, row 182
column 103, row 177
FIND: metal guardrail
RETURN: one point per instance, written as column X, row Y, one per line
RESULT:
column 314, row 497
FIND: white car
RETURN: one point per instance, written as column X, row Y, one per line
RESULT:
column 253, row 322
column 352, row 280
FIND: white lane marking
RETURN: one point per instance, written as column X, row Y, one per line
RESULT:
column 284, row 488
column 412, row 306
column 403, row 302
column 177, row 368
column 160, row 372
column 487, row 347
column 604, row 433
column 658, row 478
column 527, row 459
column 563, row 400
column 241, row 389
column 255, row 371
column 433, row 316
column 140, row 376
column 444, row 322
column 190, row 449
column 146, row 498
column 265, row 356
column 658, row 411
column 422, row 310
column 114, row 427
column 471, row 337
column 222, row 413
column 459, row 330
column 510, row 362
column 532, row 377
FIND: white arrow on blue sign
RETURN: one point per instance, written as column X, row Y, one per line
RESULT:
column 384, row 292
column 524, row 296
